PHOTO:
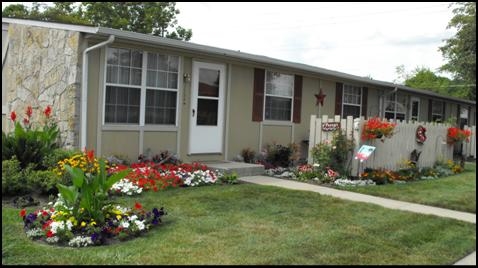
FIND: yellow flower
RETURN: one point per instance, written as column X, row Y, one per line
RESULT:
column 83, row 224
column 118, row 217
column 93, row 223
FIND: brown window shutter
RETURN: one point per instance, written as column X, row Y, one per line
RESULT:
column 443, row 112
column 338, row 98
column 458, row 114
column 258, row 96
column 297, row 98
column 430, row 103
column 364, row 101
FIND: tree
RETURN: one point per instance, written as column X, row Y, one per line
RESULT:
column 156, row 18
column 424, row 78
column 460, row 50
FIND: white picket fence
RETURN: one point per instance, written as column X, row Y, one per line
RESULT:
column 469, row 148
column 392, row 152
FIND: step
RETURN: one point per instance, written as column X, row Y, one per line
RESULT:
column 242, row 169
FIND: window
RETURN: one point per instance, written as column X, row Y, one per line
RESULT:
column 395, row 106
column 437, row 111
column 279, row 95
column 351, row 101
column 463, row 117
column 161, row 92
column 123, row 80
column 415, row 109
column 124, row 87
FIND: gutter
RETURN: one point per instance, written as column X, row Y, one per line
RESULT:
column 84, row 90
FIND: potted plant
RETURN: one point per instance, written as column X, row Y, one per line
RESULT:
column 375, row 128
column 456, row 135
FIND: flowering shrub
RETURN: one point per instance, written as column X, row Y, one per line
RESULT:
column 334, row 155
column 58, row 225
column 376, row 128
column 455, row 135
column 86, row 161
column 30, row 142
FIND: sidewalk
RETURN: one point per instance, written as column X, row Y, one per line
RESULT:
column 384, row 202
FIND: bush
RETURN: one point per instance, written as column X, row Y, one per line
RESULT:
column 14, row 181
column 335, row 155
column 277, row 155
column 44, row 181
column 30, row 144
column 228, row 178
column 248, row 155
column 51, row 160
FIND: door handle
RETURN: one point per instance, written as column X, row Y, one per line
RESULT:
column 194, row 111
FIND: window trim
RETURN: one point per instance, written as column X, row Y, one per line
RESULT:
column 274, row 121
column 351, row 104
column 395, row 106
column 412, row 100
column 442, row 114
column 143, row 90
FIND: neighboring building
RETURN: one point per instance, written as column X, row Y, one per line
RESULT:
column 122, row 93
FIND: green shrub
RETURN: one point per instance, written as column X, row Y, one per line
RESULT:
column 51, row 160
column 44, row 181
column 335, row 155
column 228, row 178
column 248, row 155
column 14, row 181
column 280, row 156
column 30, row 144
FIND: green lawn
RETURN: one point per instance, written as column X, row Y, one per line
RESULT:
column 456, row 192
column 253, row 224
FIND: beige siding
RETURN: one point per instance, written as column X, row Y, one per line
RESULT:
column 157, row 141
column 95, row 97
column 373, row 102
column 276, row 134
column 243, row 132
column 120, row 143
column 328, row 88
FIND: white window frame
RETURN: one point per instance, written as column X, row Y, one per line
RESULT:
column 143, row 87
column 395, row 100
column 344, row 102
column 442, row 114
column 278, row 96
column 417, row 116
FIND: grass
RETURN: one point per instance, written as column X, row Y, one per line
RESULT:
column 457, row 192
column 254, row 224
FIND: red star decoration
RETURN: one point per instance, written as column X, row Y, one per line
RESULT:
column 320, row 98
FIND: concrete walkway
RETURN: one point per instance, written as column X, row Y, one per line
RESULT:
column 384, row 202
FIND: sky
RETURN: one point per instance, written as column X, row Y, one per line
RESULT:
column 360, row 38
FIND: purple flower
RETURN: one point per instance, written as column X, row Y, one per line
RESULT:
column 94, row 237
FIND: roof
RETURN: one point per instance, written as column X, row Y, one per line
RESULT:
column 215, row 51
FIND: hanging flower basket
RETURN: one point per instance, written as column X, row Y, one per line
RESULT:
column 456, row 135
column 375, row 128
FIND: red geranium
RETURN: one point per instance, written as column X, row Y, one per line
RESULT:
column 455, row 134
column 13, row 116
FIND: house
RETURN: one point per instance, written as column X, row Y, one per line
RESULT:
column 123, row 93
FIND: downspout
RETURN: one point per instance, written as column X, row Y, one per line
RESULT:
column 382, row 110
column 84, row 91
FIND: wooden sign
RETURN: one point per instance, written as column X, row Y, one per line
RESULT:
column 330, row 126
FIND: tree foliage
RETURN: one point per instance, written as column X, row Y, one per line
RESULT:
column 460, row 50
column 424, row 78
column 156, row 18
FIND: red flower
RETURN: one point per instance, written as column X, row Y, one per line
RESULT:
column 13, row 116
column 49, row 234
column 138, row 206
column 29, row 111
column 47, row 111
column 90, row 155
column 23, row 212
column 26, row 121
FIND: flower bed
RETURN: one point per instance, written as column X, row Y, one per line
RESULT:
column 58, row 225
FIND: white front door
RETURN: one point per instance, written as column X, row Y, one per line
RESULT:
column 207, row 108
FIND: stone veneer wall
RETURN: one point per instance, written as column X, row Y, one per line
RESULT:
column 43, row 68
